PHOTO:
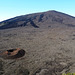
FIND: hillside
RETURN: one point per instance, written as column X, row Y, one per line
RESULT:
column 38, row 44
column 40, row 20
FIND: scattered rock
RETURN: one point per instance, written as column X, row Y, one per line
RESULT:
column 43, row 72
column 22, row 71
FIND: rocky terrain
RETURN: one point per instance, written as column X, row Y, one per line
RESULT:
column 48, row 39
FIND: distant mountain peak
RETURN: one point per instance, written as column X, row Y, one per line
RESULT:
column 53, row 11
column 40, row 20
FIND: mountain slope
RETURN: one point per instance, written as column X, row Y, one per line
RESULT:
column 40, row 20
column 48, row 39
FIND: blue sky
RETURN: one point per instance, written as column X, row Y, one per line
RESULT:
column 12, row 8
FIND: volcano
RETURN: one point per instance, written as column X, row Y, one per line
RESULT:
column 46, row 41
column 40, row 20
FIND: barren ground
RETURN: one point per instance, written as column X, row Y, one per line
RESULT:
column 49, row 51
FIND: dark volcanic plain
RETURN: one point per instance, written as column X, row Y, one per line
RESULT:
column 48, row 39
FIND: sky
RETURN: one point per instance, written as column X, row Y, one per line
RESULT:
column 13, row 8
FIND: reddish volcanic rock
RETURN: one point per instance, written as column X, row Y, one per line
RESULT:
column 12, row 53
